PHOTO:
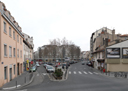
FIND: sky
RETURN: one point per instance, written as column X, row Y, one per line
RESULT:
column 74, row 19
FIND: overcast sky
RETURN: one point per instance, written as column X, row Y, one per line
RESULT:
column 74, row 19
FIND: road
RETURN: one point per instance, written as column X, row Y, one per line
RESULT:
column 80, row 78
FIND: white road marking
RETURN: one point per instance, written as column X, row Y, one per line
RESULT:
column 12, row 87
column 69, row 72
column 22, row 90
column 85, row 72
column 44, row 73
column 74, row 72
column 95, row 72
column 80, row 72
column 90, row 72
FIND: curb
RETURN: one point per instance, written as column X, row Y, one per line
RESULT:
column 20, row 86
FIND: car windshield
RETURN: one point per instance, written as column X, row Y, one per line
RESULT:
column 49, row 67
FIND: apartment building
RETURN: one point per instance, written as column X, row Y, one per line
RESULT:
column 28, row 46
column 28, row 54
column 99, row 44
column 11, row 46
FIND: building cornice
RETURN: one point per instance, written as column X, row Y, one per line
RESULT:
column 10, row 22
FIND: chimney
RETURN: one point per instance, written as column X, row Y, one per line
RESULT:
column 113, row 34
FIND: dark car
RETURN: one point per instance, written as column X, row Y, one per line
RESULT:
column 89, row 63
column 68, row 64
column 50, row 63
column 64, row 65
column 83, row 63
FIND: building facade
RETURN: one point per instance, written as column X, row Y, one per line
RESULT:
column 104, row 39
column 11, row 47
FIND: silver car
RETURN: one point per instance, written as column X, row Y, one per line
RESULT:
column 50, row 69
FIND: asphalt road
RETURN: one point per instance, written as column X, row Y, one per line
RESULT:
column 80, row 78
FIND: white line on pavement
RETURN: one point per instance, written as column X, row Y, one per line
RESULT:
column 69, row 72
column 90, row 72
column 80, row 72
column 85, row 72
column 12, row 87
column 74, row 72
column 44, row 73
column 95, row 72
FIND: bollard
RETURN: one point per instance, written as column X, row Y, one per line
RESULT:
column 25, row 79
column 16, row 84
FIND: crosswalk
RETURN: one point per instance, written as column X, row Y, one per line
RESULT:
column 82, row 72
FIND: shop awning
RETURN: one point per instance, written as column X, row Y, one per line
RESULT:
column 100, row 60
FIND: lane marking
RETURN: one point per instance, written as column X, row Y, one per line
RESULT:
column 95, row 72
column 12, row 87
column 85, row 72
column 69, row 72
column 44, row 73
column 80, row 72
column 74, row 72
column 90, row 72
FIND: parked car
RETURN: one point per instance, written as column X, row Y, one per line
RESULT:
column 71, row 62
column 64, row 65
column 83, row 63
column 50, row 63
column 89, row 63
column 50, row 69
column 45, row 65
column 33, row 69
column 68, row 64
column 37, row 64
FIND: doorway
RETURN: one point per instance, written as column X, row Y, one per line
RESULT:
column 10, row 73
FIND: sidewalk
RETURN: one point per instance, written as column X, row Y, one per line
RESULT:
column 109, row 74
column 19, row 80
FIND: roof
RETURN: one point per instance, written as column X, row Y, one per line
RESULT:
column 125, row 35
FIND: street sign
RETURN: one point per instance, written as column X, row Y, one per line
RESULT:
column 31, row 62
column 27, row 61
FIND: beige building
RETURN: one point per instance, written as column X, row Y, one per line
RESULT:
column 28, row 54
column 117, row 58
column 11, row 47
column 104, row 39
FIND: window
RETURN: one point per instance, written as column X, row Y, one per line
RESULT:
column 21, row 54
column 17, row 38
column 5, row 27
column 14, row 35
column 3, row 8
column 14, row 52
column 5, row 50
column 5, row 72
column 10, row 51
column 10, row 32
column 18, row 53
column 20, row 41
column 14, row 69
